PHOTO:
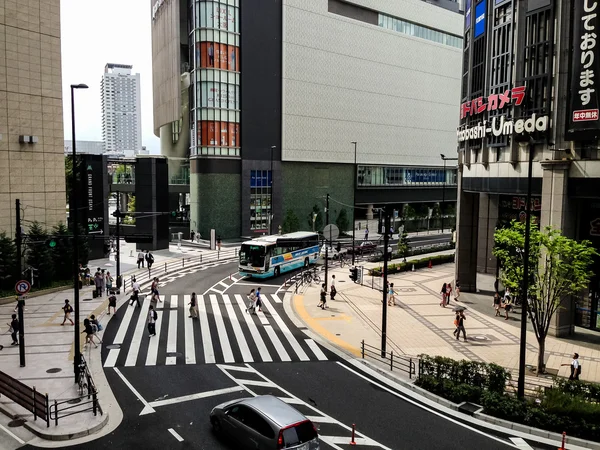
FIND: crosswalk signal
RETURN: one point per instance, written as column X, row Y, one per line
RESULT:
column 354, row 274
column 51, row 243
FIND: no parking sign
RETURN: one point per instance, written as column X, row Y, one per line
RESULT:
column 22, row 287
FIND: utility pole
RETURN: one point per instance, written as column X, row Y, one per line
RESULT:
column 354, row 205
column 386, row 242
column 19, row 245
column 326, row 243
column 118, row 253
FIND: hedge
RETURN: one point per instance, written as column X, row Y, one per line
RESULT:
column 570, row 406
column 418, row 251
column 418, row 263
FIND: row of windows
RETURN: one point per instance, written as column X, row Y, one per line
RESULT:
column 221, row 115
column 215, row 151
column 214, row 133
column 260, row 199
column 222, row 37
column 218, row 95
column 216, row 15
column 401, row 176
column 412, row 29
column 217, row 55
column 217, row 75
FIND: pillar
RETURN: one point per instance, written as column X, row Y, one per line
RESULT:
column 560, row 213
column 370, row 212
column 486, row 262
column 467, row 207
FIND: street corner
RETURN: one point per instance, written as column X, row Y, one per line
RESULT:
column 329, row 324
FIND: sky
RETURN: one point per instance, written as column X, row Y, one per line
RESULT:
column 94, row 33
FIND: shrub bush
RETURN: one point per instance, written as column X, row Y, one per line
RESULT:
column 419, row 264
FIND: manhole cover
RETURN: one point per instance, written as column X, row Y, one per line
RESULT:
column 86, row 299
column 178, row 354
column 113, row 346
column 16, row 423
column 480, row 338
column 54, row 370
column 74, row 401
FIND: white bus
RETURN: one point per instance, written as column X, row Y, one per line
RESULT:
column 269, row 256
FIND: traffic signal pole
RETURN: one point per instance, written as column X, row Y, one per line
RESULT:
column 326, row 240
column 118, row 253
column 20, row 301
column 386, row 242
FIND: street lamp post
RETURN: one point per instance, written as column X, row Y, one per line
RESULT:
column 354, row 204
column 271, row 195
column 444, row 186
column 75, row 224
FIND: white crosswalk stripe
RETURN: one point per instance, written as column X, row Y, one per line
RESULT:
column 223, row 332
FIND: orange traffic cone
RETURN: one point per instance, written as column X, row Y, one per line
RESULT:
column 564, row 437
column 430, row 265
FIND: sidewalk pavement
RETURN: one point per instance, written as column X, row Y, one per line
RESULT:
column 418, row 324
column 49, row 353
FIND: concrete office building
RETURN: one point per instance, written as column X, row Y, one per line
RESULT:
column 526, row 88
column 264, row 99
column 89, row 147
column 32, row 167
column 121, row 110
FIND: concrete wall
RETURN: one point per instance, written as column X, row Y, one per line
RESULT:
column 31, row 105
column 346, row 80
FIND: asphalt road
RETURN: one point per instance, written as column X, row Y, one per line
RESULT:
column 161, row 412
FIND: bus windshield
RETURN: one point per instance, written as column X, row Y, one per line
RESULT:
column 253, row 255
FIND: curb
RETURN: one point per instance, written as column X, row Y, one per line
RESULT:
column 552, row 438
column 11, row 299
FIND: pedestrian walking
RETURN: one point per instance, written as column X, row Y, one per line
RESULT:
column 112, row 303
column 68, row 309
column 135, row 295
column 13, row 328
column 391, row 295
column 192, row 235
column 507, row 306
column 461, row 326
column 333, row 290
column 456, row 291
column 497, row 303
column 367, row 233
column 154, row 290
column 258, row 301
column 575, row 367
column 448, row 293
column 98, row 282
column 152, row 317
column 149, row 259
column 109, row 283
column 140, row 259
column 251, row 302
column 456, row 317
column 89, row 333
column 443, row 294
column 323, row 298
column 193, row 306
column 96, row 327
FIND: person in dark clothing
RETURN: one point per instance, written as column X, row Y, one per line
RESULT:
column 14, row 329
column 89, row 333
column 461, row 326
column 149, row 259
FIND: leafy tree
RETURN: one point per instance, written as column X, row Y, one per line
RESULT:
column 62, row 252
column 408, row 212
column 342, row 221
column 558, row 267
column 8, row 262
column 318, row 224
column 38, row 254
column 423, row 210
column 403, row 245
column 291, row 222
column 84, row 247
column 68, row 174
column 130, row 220
column 437, row 211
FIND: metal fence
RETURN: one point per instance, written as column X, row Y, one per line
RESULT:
column 394, row 362
column 167, row 267
column 25, row 396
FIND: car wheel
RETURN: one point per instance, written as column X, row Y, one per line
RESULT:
column 277, row 271
column 216, row 425
column 306, row 262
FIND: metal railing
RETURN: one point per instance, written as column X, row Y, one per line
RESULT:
column 86, row 401
column 397, row 362
column 159, row 269
column 25, row 396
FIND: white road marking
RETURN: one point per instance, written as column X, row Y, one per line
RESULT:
column 171, row 360
column 520, row 443
column 237, row 368
column 286, row 331
column 262, row 348
column 190, row 346
column 124, row 325
column 256, row 383
column 187, row 398
column 136, row 340
column 147, row 408
column 152, row 354
column 12, row 435
column 175, row 434
column 209, row 353
column 277, row 343
column 173, row 302
column 172, row 337
column 316, row 350
column 226, row 286
column 237, row 330
column 111, row 359
column 276, row 298
column 221, row 331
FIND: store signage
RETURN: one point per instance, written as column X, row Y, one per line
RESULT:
column 493, row 102
column 583, row 114
column 480, row 10
column 513, row 207
column 502, row 126
column 468, row 15
column 94, row 211
column 156, row 7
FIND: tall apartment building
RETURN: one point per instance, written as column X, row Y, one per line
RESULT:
column 32, row 163
column 121, row 110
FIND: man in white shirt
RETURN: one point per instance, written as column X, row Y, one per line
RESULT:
column 152, row 316
column 135, row 295
column 575, row 367
column 140, row 259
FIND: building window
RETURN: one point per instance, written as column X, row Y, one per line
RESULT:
column 260, row 199
column 404, row 176
column 420, row 31
column 216, row 133
column 217, row 56
column 218, row 15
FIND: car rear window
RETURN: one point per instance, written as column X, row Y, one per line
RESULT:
column 299, row 434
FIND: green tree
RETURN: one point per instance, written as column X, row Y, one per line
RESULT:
column 437, row 211
column 8, row 262
column 403, row 245
column 291, row 222
column 38, row 254
column 408, row 212
column 129, row 219
column 318, row 223
column 342, row 221
column 68, row 175
column 62, row 252
column 558, row 267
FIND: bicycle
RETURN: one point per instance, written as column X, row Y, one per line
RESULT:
column 81, row 379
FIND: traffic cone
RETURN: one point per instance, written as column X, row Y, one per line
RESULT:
column 430, row 265
column 562, row 447
column 352, row 441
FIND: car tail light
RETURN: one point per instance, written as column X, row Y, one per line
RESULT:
column 315, row 428
column 280, row 439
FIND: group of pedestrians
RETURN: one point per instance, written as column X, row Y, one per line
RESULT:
column 446, row 293
column 147, row 257
column 323, row 295
column 254, row 301
column 503, row 302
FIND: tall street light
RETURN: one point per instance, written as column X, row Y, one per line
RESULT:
column 75, row 223
column 444, row 186
column 271, row 195
column 354, row 203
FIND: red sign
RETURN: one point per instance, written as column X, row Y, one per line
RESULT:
column 585, row 115
column 493, row 102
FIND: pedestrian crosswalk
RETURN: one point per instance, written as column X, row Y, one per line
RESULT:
column 223, row 333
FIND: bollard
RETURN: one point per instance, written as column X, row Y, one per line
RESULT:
column 352, row 438
column 165, row 267
column 413, row 267
column 229, row 277
column 430, row 265
column 562, row 447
